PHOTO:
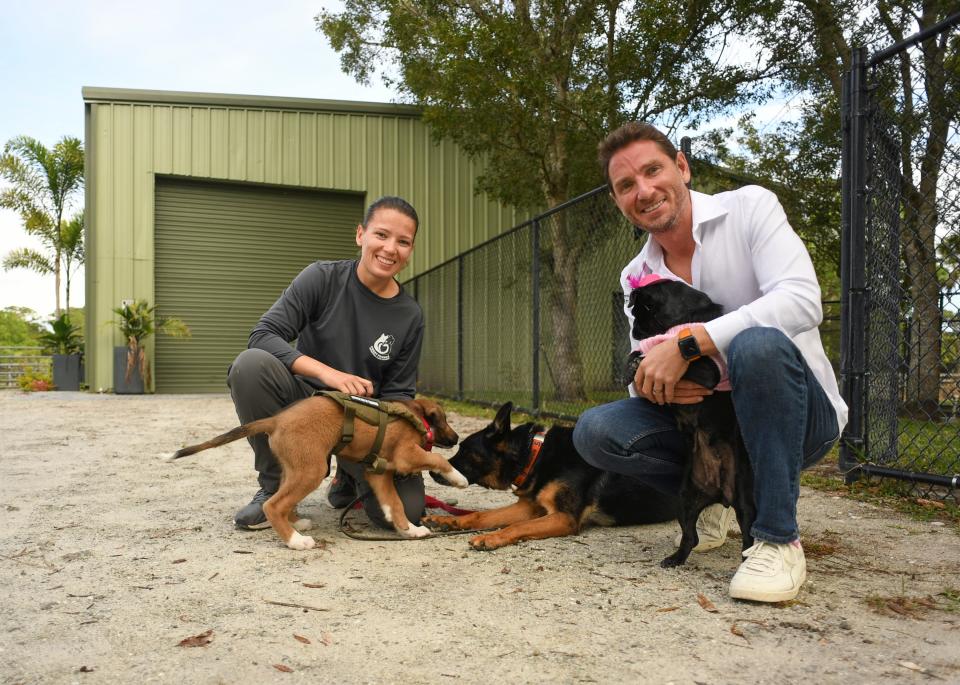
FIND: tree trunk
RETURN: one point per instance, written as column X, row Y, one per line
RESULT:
column 66, row 289
column 922, row 389
column 564, row 349
column 56, row 271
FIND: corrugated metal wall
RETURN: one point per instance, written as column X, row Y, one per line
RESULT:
column 374, row 149
column 224, row 254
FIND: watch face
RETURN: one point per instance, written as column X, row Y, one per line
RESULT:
column 689, row 349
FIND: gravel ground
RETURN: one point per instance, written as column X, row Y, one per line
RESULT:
column 123, row 568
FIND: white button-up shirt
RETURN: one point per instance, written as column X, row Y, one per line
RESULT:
column 749, row 260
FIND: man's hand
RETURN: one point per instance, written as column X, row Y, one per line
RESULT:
column 658, row 377
column 688, row 392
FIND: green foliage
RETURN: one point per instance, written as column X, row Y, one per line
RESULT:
column 19, row 327
column 137, row 322
column 42, row 182
column 800, row 161
column 62, row 338
column 32, row 380
column 28, row 258
column 531, row 87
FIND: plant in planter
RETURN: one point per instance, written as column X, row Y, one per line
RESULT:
column 137, row 322
column 34, row 381
column 64, row 342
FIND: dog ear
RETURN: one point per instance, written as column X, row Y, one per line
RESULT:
column 501, row 422
column 703, row 371
column 630, row 368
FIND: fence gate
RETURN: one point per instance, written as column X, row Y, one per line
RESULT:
column 900, row 364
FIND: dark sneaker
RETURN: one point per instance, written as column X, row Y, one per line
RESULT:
column 251, row 517
column 343, row 490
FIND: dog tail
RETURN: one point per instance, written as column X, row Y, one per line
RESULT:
column 244, row 431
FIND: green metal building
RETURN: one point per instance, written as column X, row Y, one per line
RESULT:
column 207, row 205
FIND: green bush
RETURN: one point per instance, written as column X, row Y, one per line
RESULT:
column 32, row 380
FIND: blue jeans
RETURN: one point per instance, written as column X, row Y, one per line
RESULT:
column 785, row 417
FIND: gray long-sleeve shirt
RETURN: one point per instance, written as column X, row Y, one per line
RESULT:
column 339, row 321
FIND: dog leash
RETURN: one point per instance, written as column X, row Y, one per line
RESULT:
column 396, row 538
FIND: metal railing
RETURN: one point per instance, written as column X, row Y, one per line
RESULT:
column 15, row 361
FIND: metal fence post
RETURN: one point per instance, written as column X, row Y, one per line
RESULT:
column 853, row 261
column 535, row 314
column 460, row 329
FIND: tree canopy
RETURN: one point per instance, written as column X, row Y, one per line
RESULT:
column 19, row 327
column 533, row 86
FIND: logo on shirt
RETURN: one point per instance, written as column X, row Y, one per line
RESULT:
column 382, row 346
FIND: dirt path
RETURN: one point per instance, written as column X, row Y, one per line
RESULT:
column 110, row 557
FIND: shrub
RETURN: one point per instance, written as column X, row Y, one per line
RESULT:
column 32, row 380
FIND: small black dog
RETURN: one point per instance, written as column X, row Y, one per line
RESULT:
column 558, row 491
column 718, row 469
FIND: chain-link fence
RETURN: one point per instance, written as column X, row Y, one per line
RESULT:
column 901, row 260
column 535, row 315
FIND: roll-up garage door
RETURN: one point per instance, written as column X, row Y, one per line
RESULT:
column 224, row 253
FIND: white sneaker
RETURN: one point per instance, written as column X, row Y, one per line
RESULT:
column 770, row 572
column 712, row 526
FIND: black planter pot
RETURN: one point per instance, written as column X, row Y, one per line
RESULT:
column 122, row 385
column 67, row 371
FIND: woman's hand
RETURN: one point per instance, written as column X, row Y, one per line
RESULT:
column 331, row 377
column 347, row 382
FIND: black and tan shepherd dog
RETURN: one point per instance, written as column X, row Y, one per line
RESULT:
column 557, row 491
column 718, row 468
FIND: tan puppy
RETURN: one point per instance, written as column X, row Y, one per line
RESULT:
column 303, row 435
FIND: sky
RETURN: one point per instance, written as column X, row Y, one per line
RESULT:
column 51, row 49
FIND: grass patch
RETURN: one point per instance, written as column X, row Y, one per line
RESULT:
column 951, row 599
column 892, row 494
column 928, row 446
column 917, row 608
column 825, row 544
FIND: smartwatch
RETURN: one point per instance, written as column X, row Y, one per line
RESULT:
column 689, row 347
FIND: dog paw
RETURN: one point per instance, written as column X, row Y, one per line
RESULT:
column 302, row 524
column 415, row 532
column 673, row 561
column 300, row 542
column 484, row 543
column 456, row 479
column 439, row 523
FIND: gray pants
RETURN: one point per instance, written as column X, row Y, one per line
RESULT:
column 261, row 385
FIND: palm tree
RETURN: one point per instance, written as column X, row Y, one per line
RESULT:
column 71, row 234
column 42, row 182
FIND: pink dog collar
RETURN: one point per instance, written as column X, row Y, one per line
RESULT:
column 643, row 281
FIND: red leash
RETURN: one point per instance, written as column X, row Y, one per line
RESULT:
column 434, row 503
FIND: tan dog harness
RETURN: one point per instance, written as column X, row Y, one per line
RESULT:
column 376, row 413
